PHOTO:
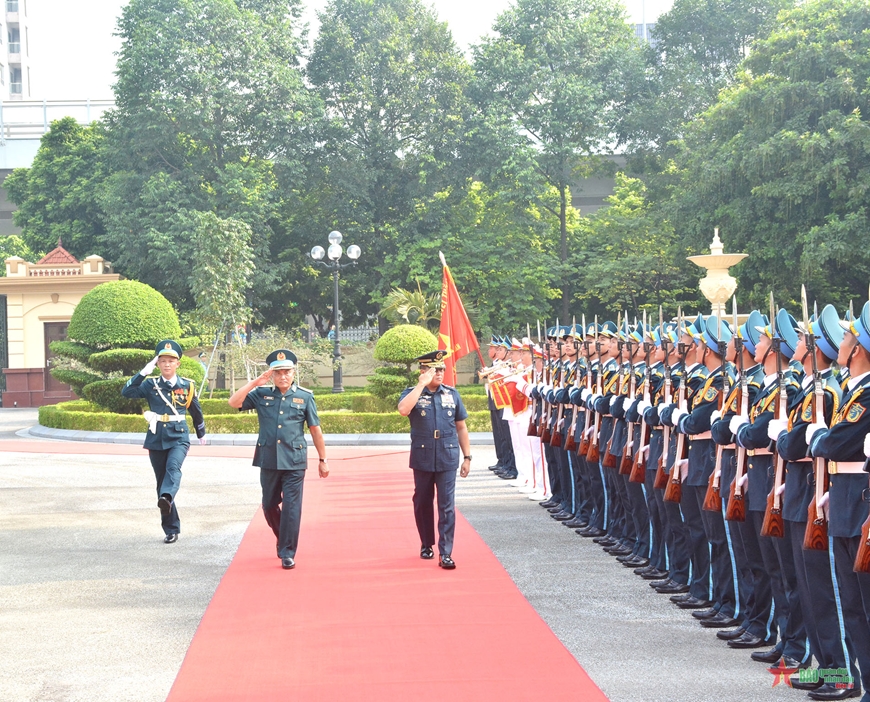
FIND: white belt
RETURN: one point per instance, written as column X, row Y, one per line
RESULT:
column 835, row 467
column 152, row 418
column 697, row 437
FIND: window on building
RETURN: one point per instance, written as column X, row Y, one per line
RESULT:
column 14, row 40
column 15, row 81
column 11, row 5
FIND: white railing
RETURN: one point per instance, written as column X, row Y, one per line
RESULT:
column 14, row 47
column 30, row 119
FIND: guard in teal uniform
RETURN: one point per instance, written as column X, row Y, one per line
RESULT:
column 170, row 399
column 438, row 433
column 282, row 453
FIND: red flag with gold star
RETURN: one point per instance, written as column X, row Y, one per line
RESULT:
column 455, row 334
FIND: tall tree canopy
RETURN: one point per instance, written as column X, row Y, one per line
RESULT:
column 782, row 162
column 558, row 69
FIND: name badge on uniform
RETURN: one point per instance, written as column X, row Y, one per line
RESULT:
column 447, row 400
column 298, row 400
column 424, row 402
column 268, row 397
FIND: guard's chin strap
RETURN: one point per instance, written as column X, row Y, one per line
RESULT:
column 852, row 353
column 766, row 354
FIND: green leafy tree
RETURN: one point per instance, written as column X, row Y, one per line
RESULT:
column 559, row 68
column 782, row 161
column 392, row 81
column 209, row 94
column 57, row 197
column 14, row 245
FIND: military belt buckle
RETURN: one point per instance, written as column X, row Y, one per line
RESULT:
column 164, row 417
column 437, row 434
column 832, row 467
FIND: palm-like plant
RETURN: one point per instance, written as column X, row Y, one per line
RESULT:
column 403, row 306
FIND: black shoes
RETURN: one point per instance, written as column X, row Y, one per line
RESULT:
column 164, row 504
column 170, row 539
column 549, row 503
column 562, row 516
column 654, row 574
column 830, row 691
column 720, row 621
column 576, row 523
column 747, row 641
column 427, row 553
column 591, row 532
column 636, row 562
column 669, row 587
column 446, row 562
column 288, row 563
column 732, row 634
column 770, row 656
column 787, row 662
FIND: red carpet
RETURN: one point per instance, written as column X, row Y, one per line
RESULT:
column 362, row 617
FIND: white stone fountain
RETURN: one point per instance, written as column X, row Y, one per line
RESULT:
column 718, row 286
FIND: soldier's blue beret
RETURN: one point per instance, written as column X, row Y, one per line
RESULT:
column 168, row 347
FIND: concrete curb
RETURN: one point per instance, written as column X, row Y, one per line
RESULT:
column 135, row 438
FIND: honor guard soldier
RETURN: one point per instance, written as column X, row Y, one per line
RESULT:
column 438, row 435
column 282, row 453
column 170, row 399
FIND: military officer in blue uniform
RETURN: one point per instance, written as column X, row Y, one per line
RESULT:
column 282, row 454
column 170, row 399
column 438, row 434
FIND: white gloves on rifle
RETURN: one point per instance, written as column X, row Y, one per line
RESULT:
column 675, row 416
column 585, row 393
column 716, row 416
column 867, row 445
column 149, row 367
column 643, row 406
column 775, row 428
column 737, row 421
column 813, row 429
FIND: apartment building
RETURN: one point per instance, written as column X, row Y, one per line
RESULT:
column 14, row 63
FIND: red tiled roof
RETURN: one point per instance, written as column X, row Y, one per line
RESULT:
column 59, row 256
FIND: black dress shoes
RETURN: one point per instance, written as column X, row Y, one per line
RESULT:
column 605, row 541
column 549, row 503
column 496, row 467
column 576, row 523
column 170, row 539
column 591, row 532
column 619, row 550
column 164, row 504
column 672, row 588
column 720, row 621
column 555, row 509
column 746, row 641
column 288, row 563
column 770, row 656
column 562, row 516
column 654, row 574
column 787, row 662
column 797, row 684
column 830, row 691
column 731, row 634
column 695, row 603
column 427, row 553
column 703, row 613
column 636, row 562
column 446, row 562
column 508, row 475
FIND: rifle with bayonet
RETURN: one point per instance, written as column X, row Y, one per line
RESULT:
column 570, row 441
column 661, row 481
column 816, row 534
column 625, row 465
column 674, row 489
column 609, row 460
column 773, row 525
column 638, row 465
column 556, row 437
column 536, row 378
column 713, row 496
column 585, row 441
column 862, row 557
column 544, row 429
column 594, row 451
column 736, row 511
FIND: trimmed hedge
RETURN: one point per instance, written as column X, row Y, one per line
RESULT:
column 76, row 379
column 72, row 415
column 107, row 393
column 404, row 343
column 123, row 313
column 70, row 349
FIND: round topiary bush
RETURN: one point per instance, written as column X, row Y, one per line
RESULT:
column 404, row 343
column 123, row 313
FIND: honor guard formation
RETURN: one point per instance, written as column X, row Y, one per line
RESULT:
column 725, row 462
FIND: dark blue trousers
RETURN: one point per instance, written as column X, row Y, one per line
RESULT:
column 167, row 470
column 426, row 484
column 282, row 507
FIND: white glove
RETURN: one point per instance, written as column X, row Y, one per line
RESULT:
column 675, row 416
column 149, row 367
column 775, row 428
column 613, row 400
column 867, row 445
column 589, row 431
column 812, row 430
column 584, row 393
column 594, row 397
column 203, row 441
column 737, row 421
column 717, row 415
column 643, row 406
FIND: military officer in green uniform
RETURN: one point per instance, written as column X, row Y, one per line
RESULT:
column 282, row 454
column 438, row 433
column 170, row 399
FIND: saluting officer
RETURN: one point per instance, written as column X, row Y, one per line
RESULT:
column 438, row 433
column 282, row 453
column 170, row 398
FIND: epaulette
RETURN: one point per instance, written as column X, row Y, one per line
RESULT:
column 753, row 383
column 448, row 387
column 310, row 392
